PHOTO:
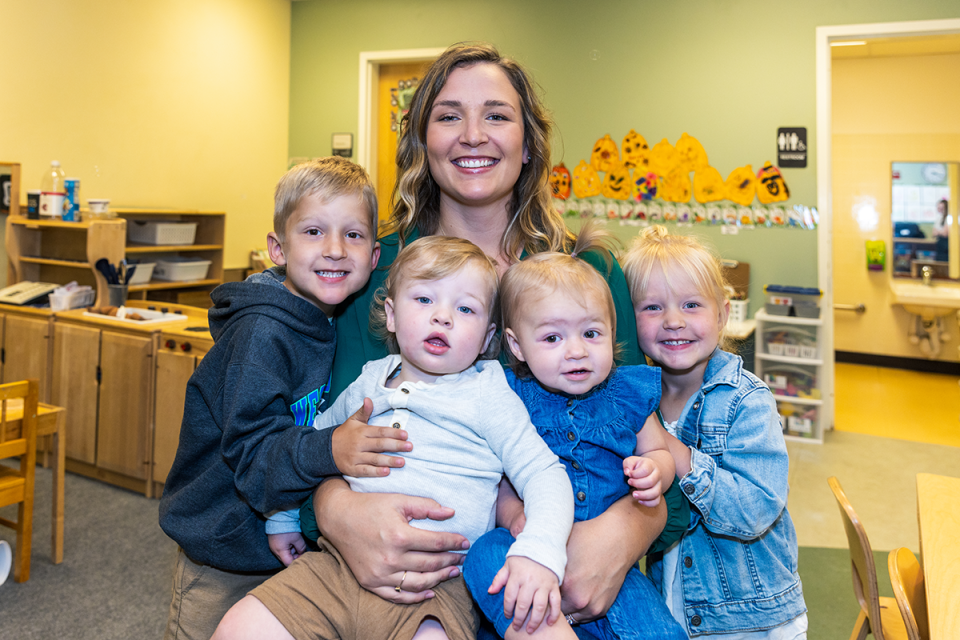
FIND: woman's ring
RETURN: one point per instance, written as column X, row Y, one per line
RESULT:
column 402, row 578
column 570, row 619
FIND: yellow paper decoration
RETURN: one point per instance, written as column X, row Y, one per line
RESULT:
column 770, row 185
column 663, row 158
column 708, row 185
column 691, row 152
column 617, row 183
column 586, row 182
column 740, row 185
column 636, row 152
column 605, row 155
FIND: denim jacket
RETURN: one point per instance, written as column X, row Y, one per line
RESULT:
column 738, row 558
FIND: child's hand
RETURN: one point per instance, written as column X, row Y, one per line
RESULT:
column 531, row 590
column 287, row 546
column 510, row 514
column 358, row 448
column 644, row 476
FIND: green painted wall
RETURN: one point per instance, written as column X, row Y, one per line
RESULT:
column 729, row 72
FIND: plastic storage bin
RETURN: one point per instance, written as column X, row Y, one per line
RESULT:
column 790, row 340
column 793, row 380
column 738, row 310
column 143, row 273
column 72, row 300
column 803, row 302
column 161, row 232
column 179, row 269
column 799, row 420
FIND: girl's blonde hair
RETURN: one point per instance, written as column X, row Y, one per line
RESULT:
column 560, row 274
column 534, row 225
column 433, row 258
column 656, row 249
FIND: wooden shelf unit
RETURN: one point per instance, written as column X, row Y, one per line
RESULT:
column 59, row 252
column 13, row 170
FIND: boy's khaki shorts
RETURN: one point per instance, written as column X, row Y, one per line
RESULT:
column 318, row 597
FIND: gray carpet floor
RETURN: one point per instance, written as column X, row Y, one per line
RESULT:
column 115, row 579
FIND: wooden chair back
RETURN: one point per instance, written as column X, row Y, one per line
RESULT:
column 17, row 484
column 906, row 576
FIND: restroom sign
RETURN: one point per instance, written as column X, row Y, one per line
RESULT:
column 792, row 147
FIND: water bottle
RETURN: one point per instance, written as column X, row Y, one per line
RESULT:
column 52, row 192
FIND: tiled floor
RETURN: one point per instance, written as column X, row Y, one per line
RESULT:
column 890, row 425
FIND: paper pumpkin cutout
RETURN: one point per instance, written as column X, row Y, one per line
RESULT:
column 605, row 155
column 770, row 185
column 691, row 152
column 675, row 186
column 663, row 158
column 586, row 182
column 644, row 185
column 560, row 182
column 708, row 185
column 741, row 185
column 636, row 152
column 617, row 183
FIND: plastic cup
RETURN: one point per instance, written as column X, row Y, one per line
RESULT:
column 6, row 560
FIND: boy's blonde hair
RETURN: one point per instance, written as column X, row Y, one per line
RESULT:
column 554, row 273
column 433, row 258
column 327, row 178
column 656, row 249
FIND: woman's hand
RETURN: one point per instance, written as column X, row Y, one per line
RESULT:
column 602, row 550
column 372, row 533
column 358, row 448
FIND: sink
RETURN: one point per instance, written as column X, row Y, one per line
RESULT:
column 926, row 301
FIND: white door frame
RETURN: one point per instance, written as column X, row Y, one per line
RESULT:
column 826, row 35
column 370, row 62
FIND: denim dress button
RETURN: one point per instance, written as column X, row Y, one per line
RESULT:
column 571, row 436
column 575, row 465
column 688, row 489
column 695, row 621
column 569, row 403
column 581, row 496
column 696, row 405
column 688, row 562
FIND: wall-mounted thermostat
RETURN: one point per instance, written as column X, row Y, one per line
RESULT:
column 342, row 144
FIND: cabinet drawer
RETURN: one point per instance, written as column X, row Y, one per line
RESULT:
column 799, row 420
column 791, row 341
column 794, row 380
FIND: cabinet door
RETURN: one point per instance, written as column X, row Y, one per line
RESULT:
column 173, row 371
column 126, row 403
column 26, row 355
column 76, row 356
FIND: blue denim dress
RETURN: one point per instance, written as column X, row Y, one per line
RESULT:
column 591, row 434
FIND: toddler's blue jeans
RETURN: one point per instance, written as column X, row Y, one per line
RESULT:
column 638, row 613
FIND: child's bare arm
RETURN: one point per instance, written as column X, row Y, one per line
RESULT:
column 510, row 509
column 359, row 449
column 529, row 589
column 651, row 470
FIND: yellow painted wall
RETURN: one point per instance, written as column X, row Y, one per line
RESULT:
column 166, row 103
column 884, row 110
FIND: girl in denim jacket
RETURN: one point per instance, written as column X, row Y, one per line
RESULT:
column 559, row 328
column 734, row 572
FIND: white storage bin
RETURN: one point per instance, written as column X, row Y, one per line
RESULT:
column 142, row 274
column 790, row 340
column 178, row 233
column 799, row 420
column 738, row 310
column 797, row 380
column 179, row 269
column 72, row 300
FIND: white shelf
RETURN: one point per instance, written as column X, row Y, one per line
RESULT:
column 789, row 359
column 810, row 401
column 763, row 316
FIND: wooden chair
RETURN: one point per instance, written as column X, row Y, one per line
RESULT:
column 879, row 616
column 906, row 576
column 16, row 485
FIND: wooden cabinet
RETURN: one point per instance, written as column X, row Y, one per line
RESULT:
column 103, row 376
column 177, row 357
column 25, row 346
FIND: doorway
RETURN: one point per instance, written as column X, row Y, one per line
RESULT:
column 383, row 77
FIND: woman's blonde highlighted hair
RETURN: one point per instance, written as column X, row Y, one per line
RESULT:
column 656, row 250
column 534, row 225
column 557, row 274
column 433, row 258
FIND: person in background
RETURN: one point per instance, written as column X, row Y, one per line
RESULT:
column 438, row 313
column 473, row 162
column 558, row 324
column 247, row 443
column 733, row 574
column 941, row 231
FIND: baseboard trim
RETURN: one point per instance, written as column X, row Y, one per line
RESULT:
column 894, row 362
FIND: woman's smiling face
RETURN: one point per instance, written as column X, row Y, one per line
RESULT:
column 475, row 141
